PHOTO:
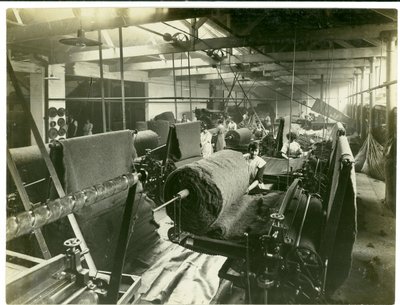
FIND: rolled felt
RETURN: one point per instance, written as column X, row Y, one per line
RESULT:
column 160, row 127
column 241, row 136
column 214, row 184
column 141, row 125
column 165, row 116
column 146, row 139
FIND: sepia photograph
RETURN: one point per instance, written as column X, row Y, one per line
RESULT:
column 200, row 153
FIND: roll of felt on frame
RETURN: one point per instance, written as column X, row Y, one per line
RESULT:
column 214, row 183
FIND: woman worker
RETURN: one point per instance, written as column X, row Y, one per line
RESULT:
column 291, row 149
column 220, row 145
column 256, row 166
column 205, row 141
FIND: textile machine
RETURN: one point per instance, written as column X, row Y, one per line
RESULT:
column 296, row 246
column 62, row 278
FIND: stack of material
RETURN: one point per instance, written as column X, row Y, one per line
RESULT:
column 143, row 140
column 165, row 116
column 85, row 161
column 370, row 159
column 160, row 127
column 239, row 137
column 214, row 184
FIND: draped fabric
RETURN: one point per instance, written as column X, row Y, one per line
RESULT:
column 342, row 242
column 185, row 141
column 86, row 161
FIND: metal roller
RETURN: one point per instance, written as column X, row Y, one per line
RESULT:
column 26, row 222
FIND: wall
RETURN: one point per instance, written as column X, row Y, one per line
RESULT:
column 158, row 87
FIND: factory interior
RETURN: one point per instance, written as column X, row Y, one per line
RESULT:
column 201, row 155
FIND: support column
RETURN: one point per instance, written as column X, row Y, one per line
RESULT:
column 372, row 92
column 121, row 66
column 56, row 89
column 361, row 120
column 356, row 103
column 391, row 64
column 37, row 101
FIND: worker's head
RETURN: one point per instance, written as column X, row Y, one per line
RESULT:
column 253, row 149
column 291, row 136
column 183, row 116
column 203, row 126
column 220, row 121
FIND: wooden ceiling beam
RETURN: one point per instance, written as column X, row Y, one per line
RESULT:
column 325, row 64
column 354, row 53
column 127, row 17
column 228, row 42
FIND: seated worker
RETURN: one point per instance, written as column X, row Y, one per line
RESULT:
column 184, row 118
column 291, row 149
column 256, row 167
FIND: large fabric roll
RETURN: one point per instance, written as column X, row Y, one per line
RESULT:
column 141, row 125
column 160, row 127
column 185, row 141
column 238, row 137
column 214, row 184
column 146, row 139
column 165, row 116
column 31, row 168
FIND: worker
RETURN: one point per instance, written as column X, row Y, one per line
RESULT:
column 291, row 149
column 267, row 122
column 184, row 118
column 220, row 145
column 87, row 128
column 72, row 126
column 258, row 132
column 256, row 166
column 205, row 141
column 231, row 124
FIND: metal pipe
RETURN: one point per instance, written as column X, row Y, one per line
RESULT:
column 133, row 98
column 303, row 221
column 103, row 103
column 26, row 222
column 121, row 67
column 181, row 195
column 174, row 76
column 190, row 89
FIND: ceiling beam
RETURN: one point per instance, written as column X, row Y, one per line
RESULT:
column 160, row 65
column 86, row 69
column 326, row 64
column 218, row 43
column 353, row 53
column 344, row 44
column 127, row 17
column 388, row 13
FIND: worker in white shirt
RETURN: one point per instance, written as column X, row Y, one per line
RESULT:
column 291, row 149
column 256, row 166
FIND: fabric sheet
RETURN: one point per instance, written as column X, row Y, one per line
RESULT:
column 143, row 140
column 214, row 183
column 160, row 127
column 176, row 275
column 278, row 166
column 87, row 161
column 185, row 141
column 341, row 256
column 238, row 137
